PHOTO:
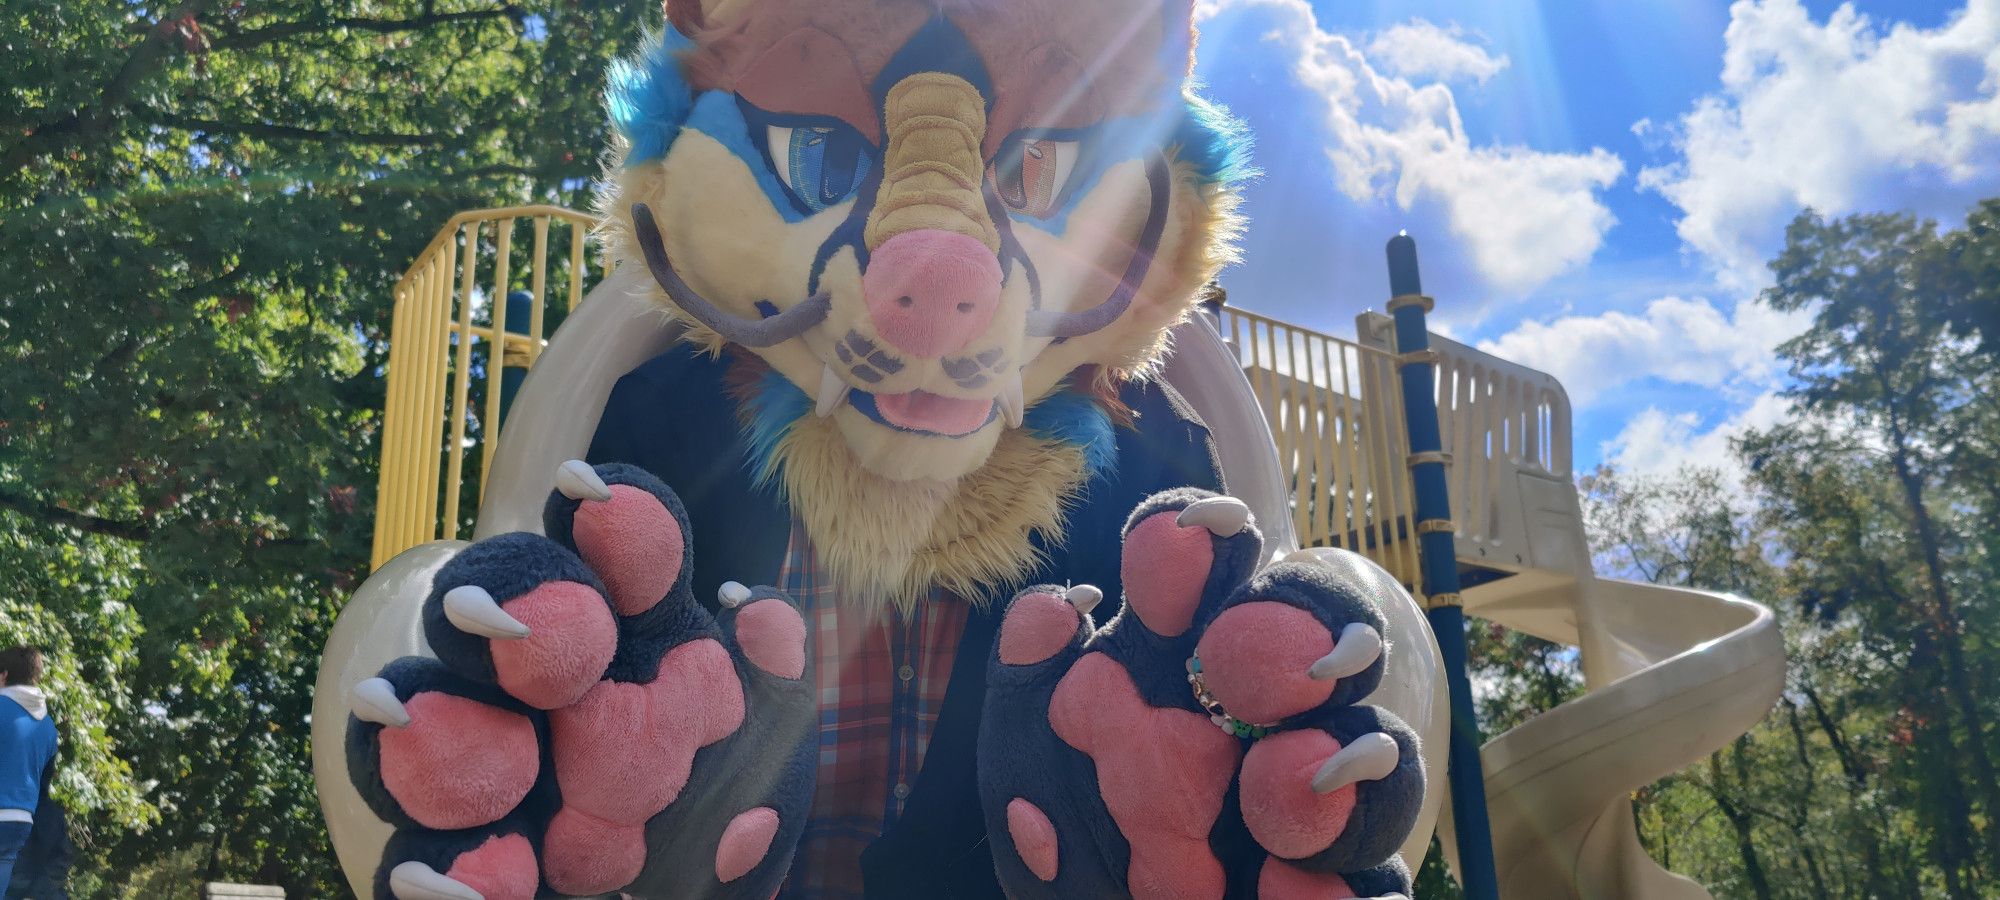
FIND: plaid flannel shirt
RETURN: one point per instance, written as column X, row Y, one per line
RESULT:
column 881, row 681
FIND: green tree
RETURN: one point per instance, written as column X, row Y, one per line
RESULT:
column 204, row 206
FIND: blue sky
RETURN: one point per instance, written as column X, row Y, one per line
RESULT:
column 1595, row 184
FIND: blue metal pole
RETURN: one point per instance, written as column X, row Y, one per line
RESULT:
column 520, row 306
column 1440, row 566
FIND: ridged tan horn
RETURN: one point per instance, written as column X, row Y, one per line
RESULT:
column 932, row 166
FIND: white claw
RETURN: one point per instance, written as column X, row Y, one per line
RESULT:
column 470, row 609
column 1013, row 399
column 1225, row 516
column 1370, row 757
column 733, row 594
column 1358, row 647
column 578, row 481
column 1084, row 597
column 415, row 881
column 832, row 392
column 375, row 701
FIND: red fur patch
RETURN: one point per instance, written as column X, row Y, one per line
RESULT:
column 1255, row 657
column 1162, row 773
column 459, row 763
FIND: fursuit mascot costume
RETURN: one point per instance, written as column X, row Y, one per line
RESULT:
column 920, row 261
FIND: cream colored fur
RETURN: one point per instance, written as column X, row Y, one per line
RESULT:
column 889, row 542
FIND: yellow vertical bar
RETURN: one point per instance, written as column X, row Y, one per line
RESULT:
column 538, row 284
column 438, row 346
column 1352, row 499
column 393, row 428
column 461, row 384
column 1329, row 474
column 1302, row 443
column 495, row 355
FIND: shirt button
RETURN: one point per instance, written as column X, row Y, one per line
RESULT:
column 902, row 792
column 906, row 673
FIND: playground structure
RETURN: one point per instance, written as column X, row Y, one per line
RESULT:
column 1313, row 436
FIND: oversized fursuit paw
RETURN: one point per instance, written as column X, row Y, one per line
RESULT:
column 1208, row 741
column 587, row 727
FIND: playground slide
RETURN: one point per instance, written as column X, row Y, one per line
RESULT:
column 1674, row 675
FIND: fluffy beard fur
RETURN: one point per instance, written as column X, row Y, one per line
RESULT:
column 889, row 543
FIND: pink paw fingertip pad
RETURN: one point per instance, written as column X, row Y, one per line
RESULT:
column 745, row 843
column 1257, row 657
column 572, row 636
column 773, row 637
column 459, row 763
column 1280, row 881
column 1165, row 568
column 587, row 856
column 1037, row 627
column 633, row 543
column 1034, row 838
column 1284, row 813
column 502, row 868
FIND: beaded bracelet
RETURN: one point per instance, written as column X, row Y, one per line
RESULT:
column 1216, row 714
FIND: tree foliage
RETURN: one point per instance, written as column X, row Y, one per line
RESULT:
column 204, row 206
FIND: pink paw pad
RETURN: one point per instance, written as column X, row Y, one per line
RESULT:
column 571, row 639
column 1165, row 568
column 503, row 868
column 745, row 843
column 773, row 637
column 587, row 856
column 1284, row 813
column 1255, row 658
column 1162, row 772
column 459, row 763
column 1280, row 881
column 624, row 751
column 1037, row 627
column 1034, row 838
column 634, row 544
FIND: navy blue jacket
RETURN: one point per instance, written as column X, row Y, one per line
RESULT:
column 673, row 417
column 27, row 755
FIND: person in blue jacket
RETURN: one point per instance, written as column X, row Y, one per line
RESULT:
column 27, row 751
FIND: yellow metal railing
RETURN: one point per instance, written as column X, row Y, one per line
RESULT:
column 444, row 392
column 1332, row 404
column 1334, row 413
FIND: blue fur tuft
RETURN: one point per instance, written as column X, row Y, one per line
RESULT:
column 1215, row 142
column 648, row 98
column 1073, row 418
column 773, row 409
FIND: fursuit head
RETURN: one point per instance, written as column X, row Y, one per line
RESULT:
column 935, row 236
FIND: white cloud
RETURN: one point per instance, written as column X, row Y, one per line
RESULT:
column 1524, row 215
column 1842, row 116
column 1656, row 443
column 1685, row 341
column 1420, row 49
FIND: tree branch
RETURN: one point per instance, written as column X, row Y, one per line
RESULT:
column 289, row 132
column 246, row 39
column 81, row 521
column 48, row 138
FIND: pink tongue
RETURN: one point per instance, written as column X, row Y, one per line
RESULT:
column 920, row 411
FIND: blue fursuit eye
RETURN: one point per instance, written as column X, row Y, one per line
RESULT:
column 823, row 165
